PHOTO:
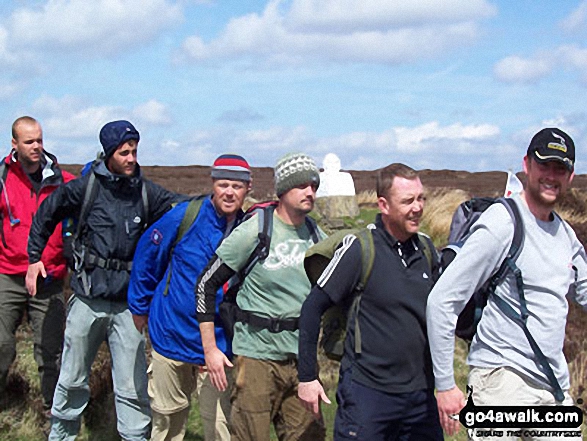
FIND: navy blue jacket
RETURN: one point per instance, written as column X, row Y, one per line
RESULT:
column 112, row 228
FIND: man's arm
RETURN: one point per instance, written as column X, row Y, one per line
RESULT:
column 335, row 285
column 151, row 263
column 161, row 200
column 310, row 391
column 479, row 258
column 64, row 202
column 214, row 276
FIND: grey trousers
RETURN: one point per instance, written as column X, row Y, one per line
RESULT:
column 46, row 314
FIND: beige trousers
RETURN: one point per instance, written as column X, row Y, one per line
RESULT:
column 171, row 384
column 505, row 387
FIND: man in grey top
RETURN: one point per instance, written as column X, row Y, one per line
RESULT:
column 504, row 368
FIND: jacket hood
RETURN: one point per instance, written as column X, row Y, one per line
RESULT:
column 101, row 170
column 49, row 165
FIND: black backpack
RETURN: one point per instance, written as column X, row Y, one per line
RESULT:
column 229, row 311
column 463, row 219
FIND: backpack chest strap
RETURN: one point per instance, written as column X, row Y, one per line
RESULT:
column 92, row 261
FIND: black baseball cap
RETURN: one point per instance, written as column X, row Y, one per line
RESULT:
column 552, row 144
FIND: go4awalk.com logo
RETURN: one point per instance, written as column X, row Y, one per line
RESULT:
column 528, row 421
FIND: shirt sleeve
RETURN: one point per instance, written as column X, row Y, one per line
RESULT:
column 478, row 259
column 65, row 201
column 341, row 276
column 579, row 290
column 235, row 250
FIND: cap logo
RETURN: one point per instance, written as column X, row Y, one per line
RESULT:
column 557, row 146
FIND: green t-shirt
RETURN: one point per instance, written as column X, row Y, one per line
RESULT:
column 276, row 287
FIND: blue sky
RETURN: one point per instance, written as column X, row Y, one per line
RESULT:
column 447, row 84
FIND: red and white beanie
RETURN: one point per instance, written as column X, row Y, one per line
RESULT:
column 231, row 166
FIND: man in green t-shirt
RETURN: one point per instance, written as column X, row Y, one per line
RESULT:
column 266, row 364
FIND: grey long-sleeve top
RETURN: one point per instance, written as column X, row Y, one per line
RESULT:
column 553, row 265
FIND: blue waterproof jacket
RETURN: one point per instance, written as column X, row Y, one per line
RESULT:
column 173, row 328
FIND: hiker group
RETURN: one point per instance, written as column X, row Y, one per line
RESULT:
column 235, row 301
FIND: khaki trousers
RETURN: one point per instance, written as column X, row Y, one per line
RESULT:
column 266, row 392
column 171, row 384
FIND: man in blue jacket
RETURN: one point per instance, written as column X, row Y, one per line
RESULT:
column 161, row 293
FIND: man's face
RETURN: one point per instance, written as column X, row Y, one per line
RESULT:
column 228, row 195
column 402, row 209
column 301, row 198
column 124, row 160
column 28, row 143
column 547, row 181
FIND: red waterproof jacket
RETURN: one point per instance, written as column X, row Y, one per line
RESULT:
column 18, row 205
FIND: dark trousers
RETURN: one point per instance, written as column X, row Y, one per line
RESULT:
column 46, row 314
column 372, row 415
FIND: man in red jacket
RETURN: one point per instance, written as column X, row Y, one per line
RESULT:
column 27, row 176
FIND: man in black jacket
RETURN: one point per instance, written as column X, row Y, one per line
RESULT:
column 113, row 204
column 386, row 392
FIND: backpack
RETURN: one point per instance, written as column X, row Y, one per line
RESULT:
column 463, row 219
column 465, row 216
column 228, row 310
column 336, row 318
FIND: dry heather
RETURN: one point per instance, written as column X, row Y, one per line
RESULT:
column 440, row 205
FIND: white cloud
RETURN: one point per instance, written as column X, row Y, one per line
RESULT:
column 576, row 20
column 72, row 117
column 343, row 31
column 7, row 58
column 515, row 69
column 346, row 16
column 240, row 115
column 431, row 137
column 152, row 112
column 104, row 26
column 9, row 89
column 453, row 146
column 69, row 117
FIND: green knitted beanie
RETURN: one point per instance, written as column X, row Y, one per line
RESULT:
column 295, row 169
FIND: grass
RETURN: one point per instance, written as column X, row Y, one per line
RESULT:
column 23, row 420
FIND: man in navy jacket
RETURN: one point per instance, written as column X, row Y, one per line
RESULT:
column 161, row 294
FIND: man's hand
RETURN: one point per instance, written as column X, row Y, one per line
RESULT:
column 32, row 274
column 140, row 322
column 215, row 363
column 450, row 403
column 310, row 393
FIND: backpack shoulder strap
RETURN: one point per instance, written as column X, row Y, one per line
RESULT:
column 265, row 221
column 313, row 228
column 365, row 237
column 429, row 250
column 89, row 197
column 146, row 210
column 517, row 241
column 189, row 217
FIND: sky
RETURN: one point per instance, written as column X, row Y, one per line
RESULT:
column 452, row 84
